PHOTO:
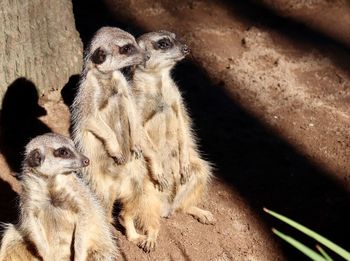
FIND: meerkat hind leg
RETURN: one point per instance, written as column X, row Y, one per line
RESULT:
column 191, row 192
column 149, row 217
column 203, row 216
column 188, row 196
column 127, row 221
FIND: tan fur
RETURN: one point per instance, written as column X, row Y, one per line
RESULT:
column 60, row 218
column 168, row 127
column 14, row 248
column 107, row 129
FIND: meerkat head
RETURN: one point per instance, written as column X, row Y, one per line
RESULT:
column 113, row 49
column 52, row 154
column 163, row 48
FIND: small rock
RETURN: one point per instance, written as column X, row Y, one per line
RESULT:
column 244, row 42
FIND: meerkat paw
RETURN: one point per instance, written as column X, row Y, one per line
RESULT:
column 206, row 218
column 147, row 245
column 203, row 216
column 136, row 151
column 142, row 242
column 167, row 213
column 119, row 159
column 161, row 183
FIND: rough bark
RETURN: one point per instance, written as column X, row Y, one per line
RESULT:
column 38, row 41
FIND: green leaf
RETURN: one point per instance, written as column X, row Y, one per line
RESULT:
column 301, row 247
column 337, row 249
column 325, row 255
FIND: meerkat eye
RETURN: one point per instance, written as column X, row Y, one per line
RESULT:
column 99, row 56
column 63, row 153
column 127, row 49
column 164, row 44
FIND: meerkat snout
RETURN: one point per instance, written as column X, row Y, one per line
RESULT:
column 85, row 161
column 185, row 49
column 147, row 56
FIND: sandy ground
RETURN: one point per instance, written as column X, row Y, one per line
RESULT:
column 269, row 98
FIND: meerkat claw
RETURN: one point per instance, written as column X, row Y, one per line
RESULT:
column 147, row 245
column 161, row 182
column 164, row 184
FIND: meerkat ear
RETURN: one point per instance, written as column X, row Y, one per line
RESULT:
column 99, row 56
column 34, row 158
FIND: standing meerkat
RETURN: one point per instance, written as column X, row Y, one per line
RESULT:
column 168, row 126
column 60, row 217
column 107, row 129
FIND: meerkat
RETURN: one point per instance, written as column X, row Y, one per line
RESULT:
column 168, row 126
column 60, row 217
column 107, row 129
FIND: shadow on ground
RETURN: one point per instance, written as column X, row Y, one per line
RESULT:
column 8, row 204
column 261, row 166
column 19, row 123
column 264, row 168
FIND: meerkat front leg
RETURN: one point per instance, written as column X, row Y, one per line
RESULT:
column 103, row 132
column 150, row 154
column 128, row 113
column 126, row 219
column 134, row 128
column 97, row 126
column 80, row 239
column 37, row 235
column 156, row 170
column 183, row 144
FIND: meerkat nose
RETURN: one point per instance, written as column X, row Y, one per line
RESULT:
column 147, row 56
column 185, row 49
column 85, row 161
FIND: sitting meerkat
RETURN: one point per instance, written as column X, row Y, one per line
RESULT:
column 168, row 126
column 60, row 217
column 107, row 129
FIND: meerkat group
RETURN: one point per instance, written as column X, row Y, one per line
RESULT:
column 139, row 150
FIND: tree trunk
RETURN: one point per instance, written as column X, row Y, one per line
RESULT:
column 38, row 41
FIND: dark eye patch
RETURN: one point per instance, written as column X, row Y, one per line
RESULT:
column 34, row 158
column 99, row 56
column 127, row 49
column 163, row 44
column 64, row 153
